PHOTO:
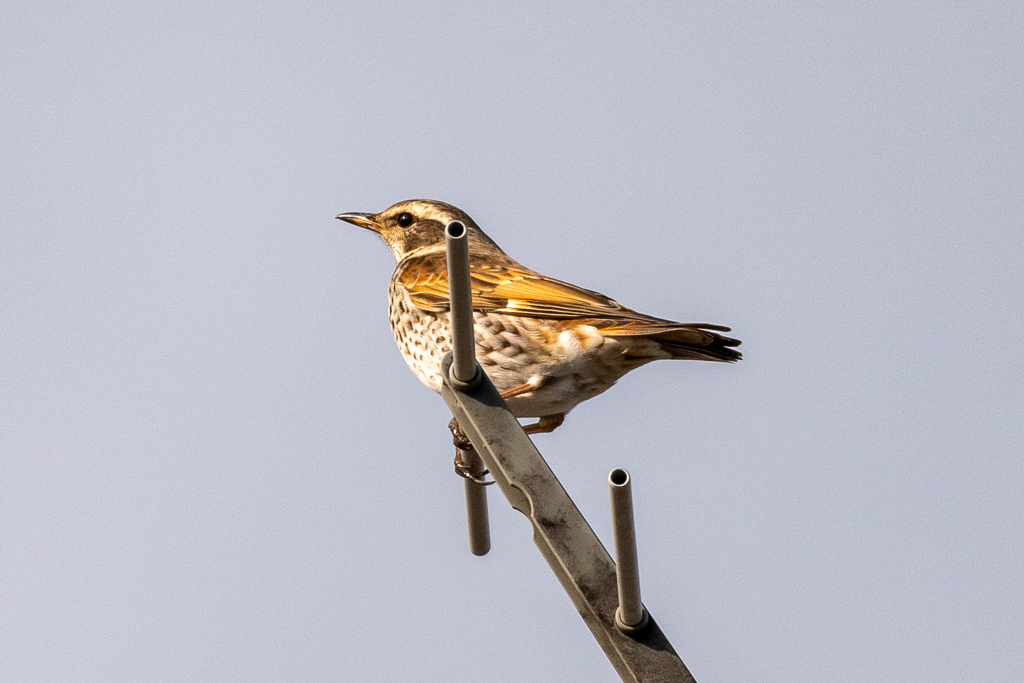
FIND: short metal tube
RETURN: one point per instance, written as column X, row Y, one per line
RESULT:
column 477, row 520
column 460, row 295
column 631, row 615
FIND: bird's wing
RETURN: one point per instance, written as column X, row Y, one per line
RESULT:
column 516, row 290
column 505, row 288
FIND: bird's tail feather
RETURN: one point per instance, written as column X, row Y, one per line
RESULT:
column 720, row 349
column 684, row 341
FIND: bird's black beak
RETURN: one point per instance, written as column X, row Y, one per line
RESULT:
column 363, row 220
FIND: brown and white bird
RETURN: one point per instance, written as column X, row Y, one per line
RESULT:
column 546, row 345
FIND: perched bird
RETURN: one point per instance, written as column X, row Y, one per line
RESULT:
column 546, row 345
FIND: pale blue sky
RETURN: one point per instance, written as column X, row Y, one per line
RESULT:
column 214, row 465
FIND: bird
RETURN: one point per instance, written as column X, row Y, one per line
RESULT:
column 545, row 344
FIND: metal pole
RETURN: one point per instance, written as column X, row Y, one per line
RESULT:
column 571, row 548
column 464, row 366
column 630, row 615
column 465, row 371
column 477, row 519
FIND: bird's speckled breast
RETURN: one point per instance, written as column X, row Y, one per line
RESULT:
column 571, row 363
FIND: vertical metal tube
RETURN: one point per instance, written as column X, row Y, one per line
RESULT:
column 464, row 369
column 461, row 302
column 477, row 520
column 631, row 615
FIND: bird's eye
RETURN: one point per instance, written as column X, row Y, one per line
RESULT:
column 405, row 219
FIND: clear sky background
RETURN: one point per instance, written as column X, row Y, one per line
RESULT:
column 214, row 465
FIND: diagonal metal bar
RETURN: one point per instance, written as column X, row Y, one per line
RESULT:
column 571, row 548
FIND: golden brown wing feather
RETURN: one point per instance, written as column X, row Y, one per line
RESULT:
column 505, row 288
column 515, row 290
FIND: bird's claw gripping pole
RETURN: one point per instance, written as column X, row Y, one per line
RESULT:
column 639, row 651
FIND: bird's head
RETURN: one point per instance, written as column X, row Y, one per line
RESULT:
column 416, row 226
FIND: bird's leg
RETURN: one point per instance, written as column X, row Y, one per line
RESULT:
column 534, row 383
column 524, row 388
column 463, row 446
column 548, row 423
column 459, row 440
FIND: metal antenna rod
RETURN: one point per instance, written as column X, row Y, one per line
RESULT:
column 477, row 520
column 641, row 654
column 460, row 294
column 631, row 615
column 571, row 548
column 464, row 372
